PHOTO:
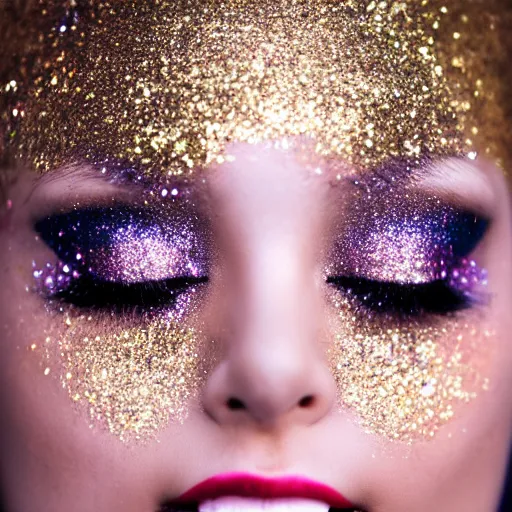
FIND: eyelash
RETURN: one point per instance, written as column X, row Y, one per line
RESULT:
column 122, row 260
column 404, row 300
column 87, row 291
column 77, row 285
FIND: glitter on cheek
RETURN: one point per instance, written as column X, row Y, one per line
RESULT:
column 134, row 373
column 406, row 380
column 410, row 344
column 124, row 345
column 133, row 380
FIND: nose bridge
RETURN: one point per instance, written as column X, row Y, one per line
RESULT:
column 272, row 368
column 274, row 226
column 272, row 358
column 277, row 292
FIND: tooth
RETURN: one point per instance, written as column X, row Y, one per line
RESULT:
column 238, row 504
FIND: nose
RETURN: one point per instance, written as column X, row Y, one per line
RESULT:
column 271, row 383
column 272, row 371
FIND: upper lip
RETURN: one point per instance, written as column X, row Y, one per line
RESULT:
column 247, row 485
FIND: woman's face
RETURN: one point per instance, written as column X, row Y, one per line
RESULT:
column 253, row 240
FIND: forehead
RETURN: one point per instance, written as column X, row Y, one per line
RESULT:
column 167, row 86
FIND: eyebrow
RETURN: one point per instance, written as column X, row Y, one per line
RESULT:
column 115, row 180
column 454, row 179
column 457, row 180
column 93, row 186
column 460, row 181
column 87, row 172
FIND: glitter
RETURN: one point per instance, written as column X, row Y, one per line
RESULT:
column 408, row 242
column 134, row 381
column 185, row 79
column 390, row 385
column 402, row 372
column 124, row 246
column 47, row 371
column 135, row 370
column 163, row 89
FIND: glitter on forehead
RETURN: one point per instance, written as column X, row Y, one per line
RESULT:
column 165, row 87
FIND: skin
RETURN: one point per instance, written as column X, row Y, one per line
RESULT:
column 270, row 312
column 257, row 304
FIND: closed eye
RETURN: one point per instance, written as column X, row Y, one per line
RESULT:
column 435, row 297
column 122, row 258
column 87, row 291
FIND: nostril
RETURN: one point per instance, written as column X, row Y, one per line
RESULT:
column 235, row 404
column 306, row 401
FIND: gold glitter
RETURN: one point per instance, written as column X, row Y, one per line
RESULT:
column 134, row 380
column 405, row 367
column 164, row 87
column 404, row 382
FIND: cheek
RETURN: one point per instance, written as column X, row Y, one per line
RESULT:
column 133, row 377
column 405, row 380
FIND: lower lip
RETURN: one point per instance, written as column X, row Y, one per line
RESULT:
column 244, row 485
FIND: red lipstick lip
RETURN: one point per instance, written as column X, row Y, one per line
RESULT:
column 250, row 486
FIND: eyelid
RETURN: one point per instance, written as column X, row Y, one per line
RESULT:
column 128, row 244
column 408, row 240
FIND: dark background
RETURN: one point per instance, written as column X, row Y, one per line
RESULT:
column 506, row 504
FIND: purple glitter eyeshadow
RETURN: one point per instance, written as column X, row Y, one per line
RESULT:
column 147, row 254
column 467, row 275
column 122, row 246
column 410, row 244
column 409, row 257
column 54, row 278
